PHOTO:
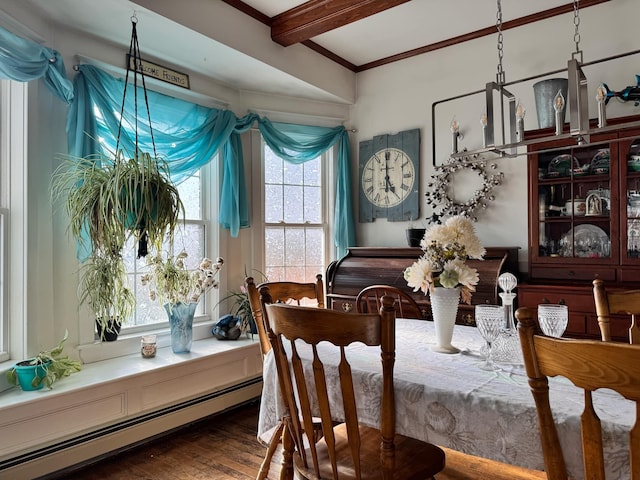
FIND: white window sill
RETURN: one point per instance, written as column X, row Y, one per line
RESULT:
column 131, row 398
column 119, row 368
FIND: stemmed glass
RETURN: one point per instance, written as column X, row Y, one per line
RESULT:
column 553, row 319
column 489, row 320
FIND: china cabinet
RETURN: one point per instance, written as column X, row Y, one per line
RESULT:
column 584, row 223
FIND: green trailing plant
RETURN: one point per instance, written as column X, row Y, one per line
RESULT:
column 104, row 285
column 108, row 200
column 55, row 364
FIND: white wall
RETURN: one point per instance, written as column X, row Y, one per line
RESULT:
column 399, row 96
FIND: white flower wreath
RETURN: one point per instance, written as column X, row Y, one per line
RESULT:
column 440, row 195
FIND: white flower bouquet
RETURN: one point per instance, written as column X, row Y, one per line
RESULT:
column 171, row 282
column 446, row 249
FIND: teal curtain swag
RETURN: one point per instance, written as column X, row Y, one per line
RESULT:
column 23, row 60
column 188, row 136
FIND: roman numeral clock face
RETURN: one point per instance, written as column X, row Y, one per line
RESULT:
column 388, row 177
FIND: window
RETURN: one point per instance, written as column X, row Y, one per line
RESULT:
column 190, row 237
column 13, row 200
column 295, row 225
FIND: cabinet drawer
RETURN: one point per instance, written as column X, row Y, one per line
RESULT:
column 629, row 275
column 570, row 273
column 579, row 300
column 342, row 304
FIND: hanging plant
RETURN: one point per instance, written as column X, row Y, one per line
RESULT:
column 110, row 200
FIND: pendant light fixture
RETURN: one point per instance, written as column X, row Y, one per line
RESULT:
column 510, row 118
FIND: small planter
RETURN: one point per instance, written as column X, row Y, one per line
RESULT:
column 108, row 332
column 30, row 377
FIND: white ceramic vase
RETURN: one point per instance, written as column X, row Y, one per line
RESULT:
column 444, row 308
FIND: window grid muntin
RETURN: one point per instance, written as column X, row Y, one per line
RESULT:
column 307, row 177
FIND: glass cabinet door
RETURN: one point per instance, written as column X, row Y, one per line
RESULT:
column 575, row 218
column 630, row 196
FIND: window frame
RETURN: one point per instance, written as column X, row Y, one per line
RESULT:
column 13, row 204
column 328, row 168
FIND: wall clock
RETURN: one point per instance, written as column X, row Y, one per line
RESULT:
column 389, row 172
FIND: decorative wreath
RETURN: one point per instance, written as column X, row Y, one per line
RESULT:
column 439, row 194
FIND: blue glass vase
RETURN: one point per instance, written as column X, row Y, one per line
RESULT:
column 181, row 323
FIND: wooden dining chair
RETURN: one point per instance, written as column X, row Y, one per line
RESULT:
column 287, row 292
column 348, row 449
column 369, row 301
column 590, row 365
column 608, row 303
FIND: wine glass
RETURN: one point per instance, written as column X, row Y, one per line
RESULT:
column 489, row 320
column 553, row 319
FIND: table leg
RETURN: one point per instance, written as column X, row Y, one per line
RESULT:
column 286, row 472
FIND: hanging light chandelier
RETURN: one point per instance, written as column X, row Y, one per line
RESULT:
column 509, row 116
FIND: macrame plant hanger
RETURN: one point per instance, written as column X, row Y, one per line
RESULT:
column 135, row 59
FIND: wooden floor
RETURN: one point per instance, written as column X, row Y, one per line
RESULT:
column 224, row 447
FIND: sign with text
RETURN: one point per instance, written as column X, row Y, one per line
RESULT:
column 154, row 70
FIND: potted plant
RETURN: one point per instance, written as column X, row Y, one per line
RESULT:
column 105, row 285
column 111, row 199
column 47, row 367
column 108, row 200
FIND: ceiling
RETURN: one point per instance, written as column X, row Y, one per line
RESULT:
column 357, row 34
column 363, row 34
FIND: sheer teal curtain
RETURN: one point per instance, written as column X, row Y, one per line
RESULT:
column 23, row 60
column 300, row 143
column 187, row 136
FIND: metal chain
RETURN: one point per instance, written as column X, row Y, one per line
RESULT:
column 576, row 22
column 500, row 74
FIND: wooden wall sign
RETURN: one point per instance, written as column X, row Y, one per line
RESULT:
column 154, row 70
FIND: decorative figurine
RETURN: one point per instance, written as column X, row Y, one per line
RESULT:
column 629, row 93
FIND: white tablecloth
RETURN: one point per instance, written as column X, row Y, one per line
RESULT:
column 447, row 400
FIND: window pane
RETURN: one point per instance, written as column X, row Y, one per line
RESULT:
column 273, row 166
column 189, row 191
column 294, row 246
column 293, row 174
column 273, row 203
column 313, row 204
column 314, row 247
column 293, row 204
column 274, row 246
column 312, row 172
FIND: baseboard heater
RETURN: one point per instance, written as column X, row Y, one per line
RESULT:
column 83, row 439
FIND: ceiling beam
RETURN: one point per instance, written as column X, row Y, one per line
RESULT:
column 517, row 22
column 319, row 16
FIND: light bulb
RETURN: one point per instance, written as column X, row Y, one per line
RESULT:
column 520, row 111
column 483, row 120
column 455, row 127
column 558, row 102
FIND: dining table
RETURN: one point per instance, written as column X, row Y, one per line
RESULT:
column 449, row 400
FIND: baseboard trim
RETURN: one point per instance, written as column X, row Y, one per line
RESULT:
column 72, row 453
